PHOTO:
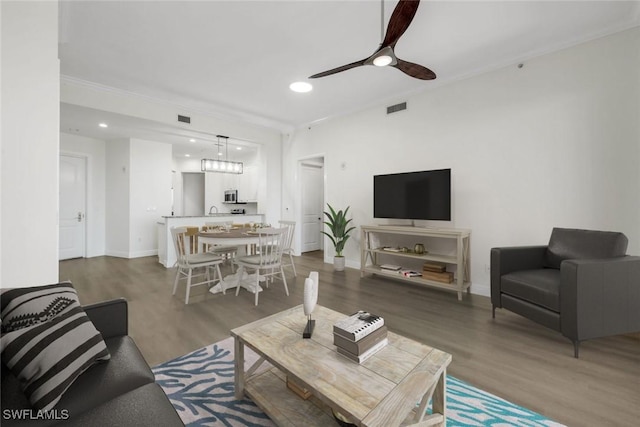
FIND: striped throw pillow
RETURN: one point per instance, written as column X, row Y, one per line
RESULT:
column 47, row 340
column 23, row 307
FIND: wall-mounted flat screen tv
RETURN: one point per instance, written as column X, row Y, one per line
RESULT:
column 413, row 195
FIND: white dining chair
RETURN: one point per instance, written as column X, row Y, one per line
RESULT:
column 288, row 249
column 189, row 258
column 267, row 264
column 227, row 252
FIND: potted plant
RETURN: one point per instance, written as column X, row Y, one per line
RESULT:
column 338, row 223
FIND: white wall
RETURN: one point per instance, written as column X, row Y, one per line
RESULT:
column 1, row 138
column 128, row 190
column 138, row 193
column 555, row 143
column 150, row 197
column 117, row 196
column 193, row 193
column 216, row 183
column 95, row 151
column 30, row 141
column 270, row 140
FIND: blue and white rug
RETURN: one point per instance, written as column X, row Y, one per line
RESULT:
column 200, row 386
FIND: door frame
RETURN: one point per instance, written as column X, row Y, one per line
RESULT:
column 298, row 233
column 85, row 158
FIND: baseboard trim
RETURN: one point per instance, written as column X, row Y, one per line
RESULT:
column 117, row 254
column 142, row 254
column 481, row 289
column 129, row 255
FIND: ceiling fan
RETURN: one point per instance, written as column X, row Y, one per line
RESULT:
column 400, row 19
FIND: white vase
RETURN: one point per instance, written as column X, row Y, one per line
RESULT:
column 310, row 295
column 338, row 263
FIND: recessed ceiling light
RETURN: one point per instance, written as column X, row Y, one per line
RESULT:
column 103, row 125
column 219, row 153
column 238, row 148
column 187, row 155
column 301, row 87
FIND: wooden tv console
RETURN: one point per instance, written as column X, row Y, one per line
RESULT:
column 378, row 244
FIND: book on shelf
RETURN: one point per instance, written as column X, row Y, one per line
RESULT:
column 366, row 355
column 362, row 345
column 434, row 266
column 444, row 277
column 298, row 389
column 410, row 273
column 391, row 267
column 358, row 325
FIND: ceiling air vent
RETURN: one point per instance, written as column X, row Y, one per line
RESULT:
column 184, row 119
column 396, row 108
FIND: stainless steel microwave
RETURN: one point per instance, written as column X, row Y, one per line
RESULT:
column 231, row 196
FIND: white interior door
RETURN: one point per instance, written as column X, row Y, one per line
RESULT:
column 312, row 178
column 73, row 182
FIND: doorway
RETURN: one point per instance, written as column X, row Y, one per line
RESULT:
column 72, row 201
column 312, row 203
column 193, row 193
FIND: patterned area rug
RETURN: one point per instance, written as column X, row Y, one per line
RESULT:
column 200, row 386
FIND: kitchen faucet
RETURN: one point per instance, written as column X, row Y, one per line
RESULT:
column 211, row 208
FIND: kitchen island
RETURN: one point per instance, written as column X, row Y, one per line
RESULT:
column 166, row 251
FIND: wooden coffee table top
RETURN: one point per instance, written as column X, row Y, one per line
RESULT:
column 380, row 392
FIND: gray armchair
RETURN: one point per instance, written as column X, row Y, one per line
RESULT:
column 581, row 284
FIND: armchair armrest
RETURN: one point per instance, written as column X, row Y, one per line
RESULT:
column 599, row 297
column 515, row 258
column 111, row 317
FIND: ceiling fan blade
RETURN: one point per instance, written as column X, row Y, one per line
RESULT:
column 415, row 70
column 339, row 69
column 399, row 22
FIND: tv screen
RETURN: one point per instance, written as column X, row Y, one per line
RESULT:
column 413, row 195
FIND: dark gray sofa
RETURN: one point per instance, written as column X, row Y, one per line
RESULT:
column 581, row 284
column 120, row 392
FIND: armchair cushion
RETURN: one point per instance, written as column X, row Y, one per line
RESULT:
column 145, row 406
column 540, row 287
column 600, row 297
column 568, row 243
column 126, row 371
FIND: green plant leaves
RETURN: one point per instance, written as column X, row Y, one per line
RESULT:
column 337, row 222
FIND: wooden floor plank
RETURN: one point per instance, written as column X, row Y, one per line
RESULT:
column 510, row 356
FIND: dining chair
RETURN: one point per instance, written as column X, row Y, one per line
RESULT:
column 227, row 252
column 189, row 259
column 267, row 264
column 288, row 249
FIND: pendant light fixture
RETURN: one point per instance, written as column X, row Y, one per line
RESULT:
column 219, row 164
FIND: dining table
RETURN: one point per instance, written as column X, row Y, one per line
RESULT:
column 246, row 239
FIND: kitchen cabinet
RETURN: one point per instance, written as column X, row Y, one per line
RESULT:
column 248, row 184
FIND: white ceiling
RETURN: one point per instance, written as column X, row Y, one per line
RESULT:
column 238, row 57
column 77, row 120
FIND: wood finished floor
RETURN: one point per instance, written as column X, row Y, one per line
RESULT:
column 510, row 356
